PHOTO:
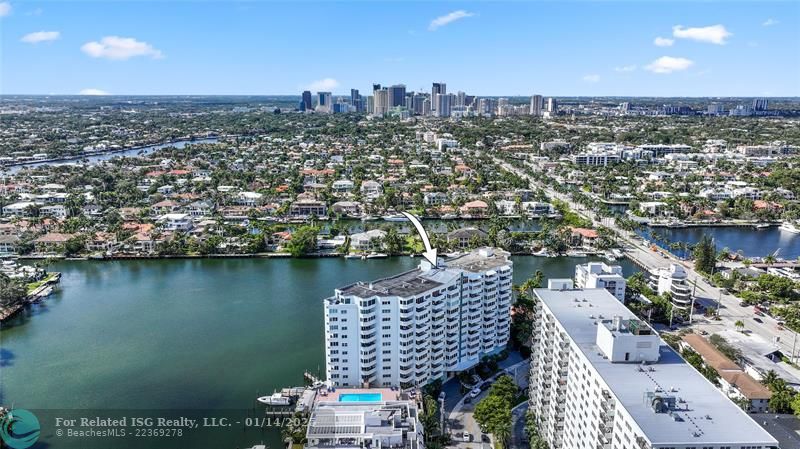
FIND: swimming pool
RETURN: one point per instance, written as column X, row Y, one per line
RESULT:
column 360, row 397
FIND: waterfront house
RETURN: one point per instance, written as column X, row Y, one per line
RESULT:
column 465, row 237
column 51, row 242
column 582, row 237
column 369, row 240
column 306, row 208
column 474, row 209
column 347, row 208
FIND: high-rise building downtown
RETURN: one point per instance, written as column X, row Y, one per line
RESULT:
column 355, row 101
column 420, row 325
column 552, row 106
column 760, row 104
column 442, row 105
column 537, row 103
column 418, row 103
column 380, row 102
column 397, row 95
column 600, row 378
column 324, row 102
column 436, row 89
column 306, row 100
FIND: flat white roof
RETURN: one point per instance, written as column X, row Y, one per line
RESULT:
column 709, row 417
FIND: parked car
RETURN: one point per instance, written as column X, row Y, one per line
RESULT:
column 485, row 386
column 485, row 438
column 467, row 400
column 467, row 437
column 475, row 392
column 441, row 396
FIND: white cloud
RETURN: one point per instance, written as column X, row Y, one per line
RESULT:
column 323, row 85
column 41, row 36
column 448, row 18
column 92, row 92
column 591, row 78
column 769, row 22
column 5, row 9
column 35, row 12
column 625, row 68
column 669, row 64
column 120, row 48
column 663, row 41
column 714, row 34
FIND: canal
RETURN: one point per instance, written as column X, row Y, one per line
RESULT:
column 748, row 241
column 199, row 338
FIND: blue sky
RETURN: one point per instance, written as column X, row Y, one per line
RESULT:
column 486, row 48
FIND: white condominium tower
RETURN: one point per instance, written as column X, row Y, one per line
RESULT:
column 600, row 378
column 420, row 325
column 600, row 275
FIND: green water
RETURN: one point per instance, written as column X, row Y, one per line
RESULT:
column 171, row 335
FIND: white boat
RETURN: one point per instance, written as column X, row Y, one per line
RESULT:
column 676, row 224
column 542, row 253
column 761, row 226
column 449, row 216
column 788, row 226
column 395, row 217
column 377, row 256
column 576, row 254
column 369, row 218
column 275, row 399
column 352, row 256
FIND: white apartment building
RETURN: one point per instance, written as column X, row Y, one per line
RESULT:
column 421, row 325
column 674, row 280
column 375, row 418
column 600, row 275
column 600, row 378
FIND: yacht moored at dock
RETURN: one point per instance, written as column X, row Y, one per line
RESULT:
column 788, row 226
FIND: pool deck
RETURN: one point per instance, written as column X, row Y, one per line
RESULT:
column 387, row 394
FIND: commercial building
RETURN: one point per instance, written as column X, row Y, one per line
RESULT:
column 436, row 89
column 380, row 102
column 324, row 102
column 600, row 378
column 537, row 102
column 306, row 101
column 397, row 95
column 443, row 102
column 364, row 418
column 421, row 325
column 600, row 275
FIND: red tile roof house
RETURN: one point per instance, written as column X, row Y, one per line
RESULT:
column 583, row 237
column 474, row 209
column 51, row 242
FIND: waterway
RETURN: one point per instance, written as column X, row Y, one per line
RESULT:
column 199, row 338
column 748, row 241
column 94, row 158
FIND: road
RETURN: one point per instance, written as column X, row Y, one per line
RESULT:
column 729, row 311
column 460, row 417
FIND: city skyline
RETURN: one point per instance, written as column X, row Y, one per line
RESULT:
column 485, row 49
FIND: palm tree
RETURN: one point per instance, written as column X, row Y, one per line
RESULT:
column 770, row 259
column 739, row 325
column 770, row 378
